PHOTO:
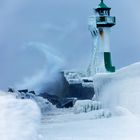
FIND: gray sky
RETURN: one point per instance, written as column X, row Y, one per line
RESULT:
column 62, row 25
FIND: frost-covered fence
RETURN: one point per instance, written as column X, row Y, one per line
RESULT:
column 86, row 106
column 94, row 107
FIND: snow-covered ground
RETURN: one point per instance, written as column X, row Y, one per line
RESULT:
column 119, row 94
column 86, row 127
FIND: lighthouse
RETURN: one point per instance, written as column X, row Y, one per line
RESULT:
column 100, row 24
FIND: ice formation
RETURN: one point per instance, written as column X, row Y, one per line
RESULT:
column 44, row 105
column 86, row 106
column 100, row 44
column 120, row 89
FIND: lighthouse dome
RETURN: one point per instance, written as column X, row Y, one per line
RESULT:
column 102, row 5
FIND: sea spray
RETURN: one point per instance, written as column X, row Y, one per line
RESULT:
column 48, row 77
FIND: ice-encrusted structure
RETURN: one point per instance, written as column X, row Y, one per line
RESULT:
column 120, row 88
column 77, row 85
column 99, row 26
column 73, row 77
column 77, row 78
column 119, row 91
column 86, row 106
column 96, row 64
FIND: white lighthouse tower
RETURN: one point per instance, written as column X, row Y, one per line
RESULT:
column 100, row 24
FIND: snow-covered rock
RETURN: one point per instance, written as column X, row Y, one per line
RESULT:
column 43, row 104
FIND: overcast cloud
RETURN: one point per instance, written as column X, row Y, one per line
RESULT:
column 62, row 25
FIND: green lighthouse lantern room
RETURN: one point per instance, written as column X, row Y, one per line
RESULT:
column 104, row 19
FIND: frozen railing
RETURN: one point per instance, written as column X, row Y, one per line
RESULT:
column 108, row 19
column 94, row 33
column 74, row 77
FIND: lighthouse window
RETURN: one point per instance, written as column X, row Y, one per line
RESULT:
column 101, row 12
column 104, row 12
column 102, row 19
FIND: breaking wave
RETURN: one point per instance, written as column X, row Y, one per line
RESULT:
column 47, row 76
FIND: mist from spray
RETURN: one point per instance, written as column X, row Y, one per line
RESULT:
column 45, row 78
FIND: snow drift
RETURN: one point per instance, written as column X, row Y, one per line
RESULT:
column 120, row 89
column 44, row 105
column 19, row 119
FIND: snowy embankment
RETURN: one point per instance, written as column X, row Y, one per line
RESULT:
column 44, row 105
column 19, row 119
column 121, row 89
